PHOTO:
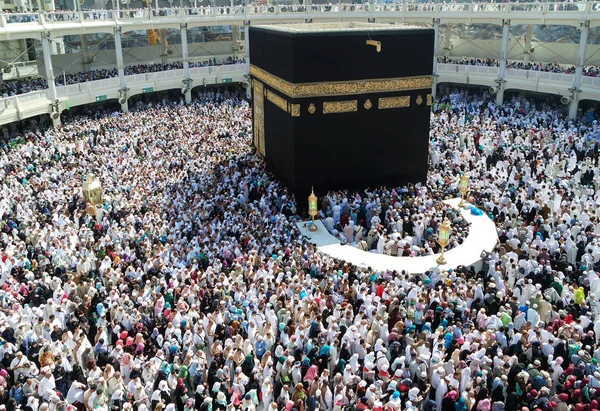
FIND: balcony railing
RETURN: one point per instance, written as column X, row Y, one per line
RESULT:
column 136, row 82
column 406, row 9
column 542, row 81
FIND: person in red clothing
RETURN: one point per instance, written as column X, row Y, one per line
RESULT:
column 380, row 289
column 362, row 404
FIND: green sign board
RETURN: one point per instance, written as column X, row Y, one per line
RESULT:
column 101, row 97
column 147, row 89
column 227, row 80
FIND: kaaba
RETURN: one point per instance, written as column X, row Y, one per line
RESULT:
column 342, row 105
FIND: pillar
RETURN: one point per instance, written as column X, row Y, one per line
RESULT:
column 162, row 38
column 247, row 49
column 49, row 73
column 573, row 106
column 84, row 51
column 528, row 38
column 121, row 67
column 235, row 37
column 448, row 36
column 247, row 43
column 503, row 58
column 436, row 40
column 584, row 29
column 186, row 63
column 58, row 45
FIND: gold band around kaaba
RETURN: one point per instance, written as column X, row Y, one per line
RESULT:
column 277, row 100
column 394, row 102
column 341, row 88
column 330, row 107
column 259, row 122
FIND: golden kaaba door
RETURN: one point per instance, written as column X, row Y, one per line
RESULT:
column 259, row 122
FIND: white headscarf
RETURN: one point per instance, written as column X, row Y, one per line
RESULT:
column 34, row 403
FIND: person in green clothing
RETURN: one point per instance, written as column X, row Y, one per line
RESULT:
column 557, row 285
column 185, row 374
column 505, row 317
column 169, row 298
column 579, row 295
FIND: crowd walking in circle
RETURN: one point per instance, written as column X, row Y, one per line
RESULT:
column 190, row 287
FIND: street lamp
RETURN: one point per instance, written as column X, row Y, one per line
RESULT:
column 463, row 187
column 312, row 209
column 443, row 239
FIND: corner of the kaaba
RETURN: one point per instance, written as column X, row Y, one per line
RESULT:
column 332, row 112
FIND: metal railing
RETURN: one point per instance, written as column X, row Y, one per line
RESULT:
column 563, row 79
column 402, row 9
column 113, row 84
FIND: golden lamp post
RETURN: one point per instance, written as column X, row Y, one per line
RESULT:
column 443, row 239
column 92, row 190
column 463, row 187
column 312, row 209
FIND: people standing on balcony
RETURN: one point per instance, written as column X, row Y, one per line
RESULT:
column 549, row 67
column 22, row 86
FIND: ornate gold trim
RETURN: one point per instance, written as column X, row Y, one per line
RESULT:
column 295, row 110
column 394, row 102
column 330, row 107
column 429, row 99
column 273, row 81
column 277, row 100
column 258, row 129
column 341, row 88
column 258, row 86
column 419, row 100
column 368, row 104
column 312, row 108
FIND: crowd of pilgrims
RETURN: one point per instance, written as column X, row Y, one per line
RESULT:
column 21, row 86
column 401, row 222
column 191, row 288
column 549, row 67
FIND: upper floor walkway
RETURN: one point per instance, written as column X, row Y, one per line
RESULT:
column 31, row 25
column 39, row 102
column 27, row 105
column 516, row 79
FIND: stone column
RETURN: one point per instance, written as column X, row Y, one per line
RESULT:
column 503, row 59
column 247, row 50
column 584, row 29
column 448, row 36
column 528, row 38
column 121, row 68
column 436, row 40
column 186, row 63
